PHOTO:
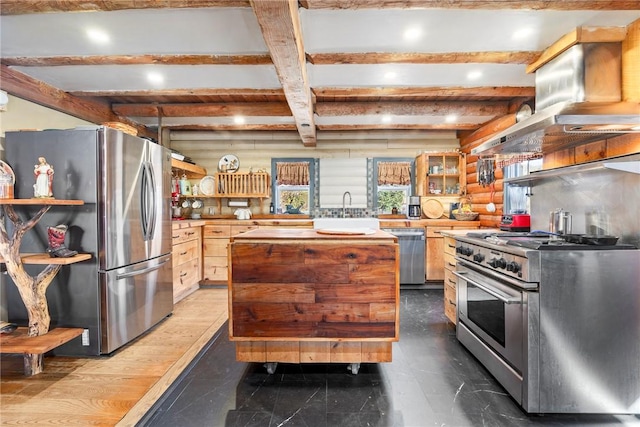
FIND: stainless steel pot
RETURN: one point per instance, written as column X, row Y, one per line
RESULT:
column 560, row 222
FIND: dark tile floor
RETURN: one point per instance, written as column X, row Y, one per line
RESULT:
column 432, row 381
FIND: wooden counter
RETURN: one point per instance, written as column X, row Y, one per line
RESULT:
column 299, row 296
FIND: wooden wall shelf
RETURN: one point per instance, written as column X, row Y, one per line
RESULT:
column 191, row 170
column 19, row 342
column 45, row 259
column 41, row 202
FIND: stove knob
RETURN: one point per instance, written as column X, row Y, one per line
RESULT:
column 493, row 262
column 458, row 249
column 468, row 251
column 501, row 263
column 513, row 266
column 478, row 257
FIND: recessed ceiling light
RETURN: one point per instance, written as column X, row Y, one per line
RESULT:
column 98, row 36
column 412, row 33
column 522, row 33
column 451, row 118
column 155, row 78
column 386, row 118
column 390, row 75
column 239, row 120
column 474, row 75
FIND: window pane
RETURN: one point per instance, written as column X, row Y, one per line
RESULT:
column 390, row 197
column 293, row 198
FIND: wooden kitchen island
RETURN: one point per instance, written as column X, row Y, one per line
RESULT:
column 301, row 296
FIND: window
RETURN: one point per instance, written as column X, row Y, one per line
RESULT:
column 292, row 184
column 392, row 184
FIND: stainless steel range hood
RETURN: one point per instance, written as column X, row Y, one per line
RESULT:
column 578, row 100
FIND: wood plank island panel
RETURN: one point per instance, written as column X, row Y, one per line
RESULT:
column 304, row 297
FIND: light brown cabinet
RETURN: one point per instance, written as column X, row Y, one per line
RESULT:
column 436, row 257
column 186, row 259
column 215, row 242
column 441, row 174
column 450, row 300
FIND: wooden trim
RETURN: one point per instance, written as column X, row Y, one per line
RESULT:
column 579, row 35
column 424, row 92
column 631, row 63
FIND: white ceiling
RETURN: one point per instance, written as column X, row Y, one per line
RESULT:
column 235, row 31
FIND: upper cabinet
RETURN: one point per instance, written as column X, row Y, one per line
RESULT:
column 441, row 174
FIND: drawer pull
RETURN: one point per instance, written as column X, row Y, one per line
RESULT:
column 175, row 237
column 183, row 274
column 450, row 245
column 451, row 265
column 183, row 253
column 191, row 233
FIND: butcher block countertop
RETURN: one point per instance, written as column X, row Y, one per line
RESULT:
column 384, row 222
column 311, row 234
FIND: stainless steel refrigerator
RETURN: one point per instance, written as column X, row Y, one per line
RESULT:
column 125, row 223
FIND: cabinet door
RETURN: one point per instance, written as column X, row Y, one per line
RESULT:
column 435, row 253
column 440, row 174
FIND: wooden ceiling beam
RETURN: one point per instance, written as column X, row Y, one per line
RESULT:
column 262, row 109
column 280, row 25
column 185, row 92
column 22, row 7
column 55, row 61
column 436, row 108
column 439, row 126
column 473, row 4
column 423, row 58
column 240, row 128
column 399, row 92
column 25, row 87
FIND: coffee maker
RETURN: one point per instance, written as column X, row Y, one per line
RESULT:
column 414, row 211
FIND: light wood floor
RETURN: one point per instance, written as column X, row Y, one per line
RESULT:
column 116, row 390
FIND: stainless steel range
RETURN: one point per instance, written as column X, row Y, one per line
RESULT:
column 556, row 323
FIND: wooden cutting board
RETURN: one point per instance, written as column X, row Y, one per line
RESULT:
column 432, row 208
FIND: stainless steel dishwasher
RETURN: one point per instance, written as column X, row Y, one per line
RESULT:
column 412, row 254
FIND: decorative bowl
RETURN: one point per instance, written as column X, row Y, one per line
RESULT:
column 466, row 216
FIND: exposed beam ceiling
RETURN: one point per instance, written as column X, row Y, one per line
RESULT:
column 273, row 64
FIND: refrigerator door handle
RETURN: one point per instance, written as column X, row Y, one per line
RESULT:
column 151, row 227
column 142, row 271
column 143, row 202
column 148, row 205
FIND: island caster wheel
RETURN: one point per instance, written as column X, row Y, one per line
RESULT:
column 271, row 367
column 353, row 368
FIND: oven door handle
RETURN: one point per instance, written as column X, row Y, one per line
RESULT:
column 504, row 298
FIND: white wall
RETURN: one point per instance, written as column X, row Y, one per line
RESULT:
column 257, row 153
column 25, row 115
column 340, row 175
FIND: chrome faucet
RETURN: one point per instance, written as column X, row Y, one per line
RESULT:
column 343, row 204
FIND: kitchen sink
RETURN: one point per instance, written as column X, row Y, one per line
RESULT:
column 346, row 223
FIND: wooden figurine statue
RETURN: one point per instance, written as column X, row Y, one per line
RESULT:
column 43, row 172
